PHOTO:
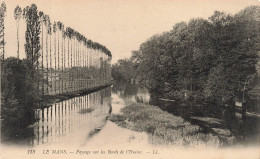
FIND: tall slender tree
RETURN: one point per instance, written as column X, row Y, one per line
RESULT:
column 32, row 45
column 60, row 27
column 55, row 56
column 59, row 24
column 64, row 59
column 2, row 28
column 41, row 16
column 51, row 68
column 77, row 63
column 75, row 56
column 47, row 26
column 85, row 61
column 69, row 36
column 68, row 56
column 74, row 60
column 2, row 43
column 17, row 17
column 72, row 55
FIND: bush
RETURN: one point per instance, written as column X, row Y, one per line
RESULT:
column 17, row 109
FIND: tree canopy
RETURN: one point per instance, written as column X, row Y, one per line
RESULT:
column 212, row 58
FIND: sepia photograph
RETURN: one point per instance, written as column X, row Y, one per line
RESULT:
column 130, row 79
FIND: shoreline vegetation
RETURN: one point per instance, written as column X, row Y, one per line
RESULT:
column 164, row 128
column 213, row 61
column 206, row 72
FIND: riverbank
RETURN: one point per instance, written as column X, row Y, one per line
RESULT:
column 168, row 129
column 48, row 100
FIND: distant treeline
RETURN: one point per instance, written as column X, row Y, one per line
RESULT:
column 211, row 60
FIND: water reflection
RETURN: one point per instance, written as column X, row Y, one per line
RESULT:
column 246, row 131
column 131, row 92
column 63, row 120
column 76, row 120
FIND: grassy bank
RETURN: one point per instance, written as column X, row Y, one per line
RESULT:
column 163, row 127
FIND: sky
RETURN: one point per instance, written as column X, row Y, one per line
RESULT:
column 121, row 25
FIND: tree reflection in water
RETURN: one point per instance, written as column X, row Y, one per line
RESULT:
column 62, row 121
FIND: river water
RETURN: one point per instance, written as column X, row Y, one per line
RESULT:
column 78, row 119
column 81, row 123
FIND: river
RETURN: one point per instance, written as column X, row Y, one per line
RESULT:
column 81, row 124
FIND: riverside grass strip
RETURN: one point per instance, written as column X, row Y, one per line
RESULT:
column 164, row 128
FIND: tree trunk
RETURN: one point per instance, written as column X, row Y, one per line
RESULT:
column 62, row 60
column 17, row 25
column 42, row 64
column 59, row 60
column 55, row 67
column 68, row 66
column 47, row 74
column 51, row 65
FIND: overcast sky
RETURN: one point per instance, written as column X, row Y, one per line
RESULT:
column 120, row 25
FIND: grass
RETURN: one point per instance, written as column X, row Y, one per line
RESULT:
column 163, row 127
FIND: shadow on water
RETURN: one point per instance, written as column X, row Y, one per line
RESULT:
column 60, row 122
column 223, row 122
column 80, row 118
column 13, row 127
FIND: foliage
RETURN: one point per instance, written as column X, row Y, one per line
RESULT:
column 2, row 28
column 123, row 70
column 213, row 59
column 17, row 107
column 32, row 46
